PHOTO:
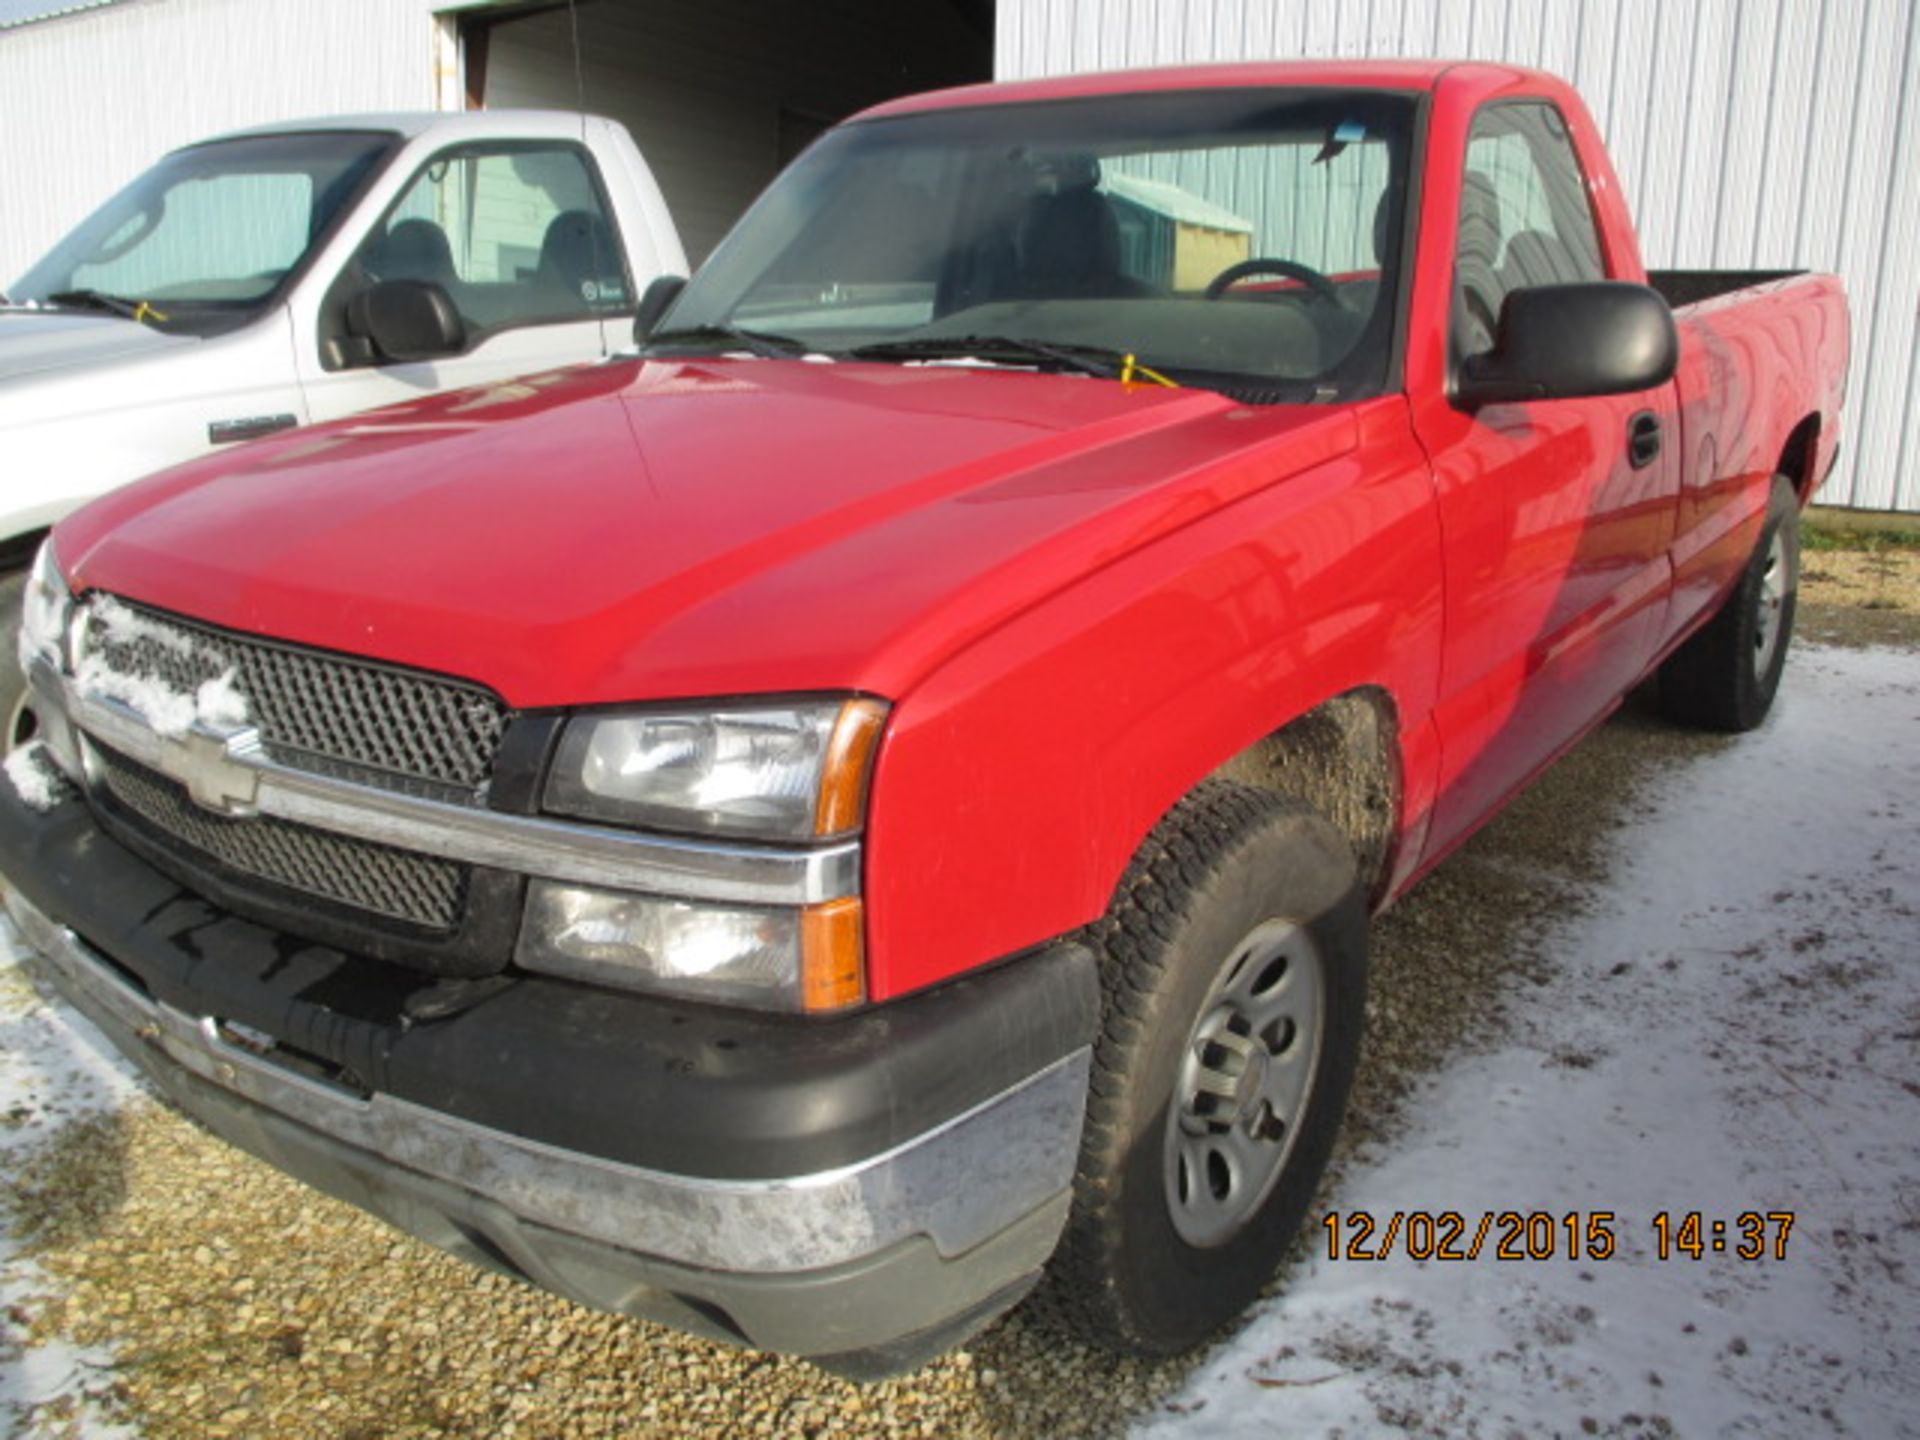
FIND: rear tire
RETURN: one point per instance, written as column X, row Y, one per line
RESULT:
column 1726, row 676
column 1234, row 969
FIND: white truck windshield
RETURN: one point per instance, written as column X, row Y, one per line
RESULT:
column 208, row 235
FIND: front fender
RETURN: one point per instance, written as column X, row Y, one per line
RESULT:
column 1017, row 781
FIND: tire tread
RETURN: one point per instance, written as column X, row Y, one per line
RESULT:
column 1135, row 941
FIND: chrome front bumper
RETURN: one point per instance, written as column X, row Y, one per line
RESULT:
column 894, row 1256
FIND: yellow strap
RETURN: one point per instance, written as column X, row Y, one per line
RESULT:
column 1132, row 368
column 145, row 311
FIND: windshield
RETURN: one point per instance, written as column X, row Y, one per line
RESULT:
column 1246, row 240
column 205, row 238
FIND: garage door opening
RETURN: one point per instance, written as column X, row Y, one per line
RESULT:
column 720, row 94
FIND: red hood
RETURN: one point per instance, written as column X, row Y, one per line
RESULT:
column 641, row 530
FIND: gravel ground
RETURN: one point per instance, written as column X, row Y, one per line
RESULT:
column 221, row 1299
column 1860, row 597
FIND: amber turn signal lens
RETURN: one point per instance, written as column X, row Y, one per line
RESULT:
column 843, row 781
column 833, row 961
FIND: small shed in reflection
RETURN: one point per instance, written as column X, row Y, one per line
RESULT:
column 1172, row 237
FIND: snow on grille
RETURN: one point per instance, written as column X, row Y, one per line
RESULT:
column 314, row 710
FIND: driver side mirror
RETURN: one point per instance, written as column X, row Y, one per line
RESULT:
column 661, row 294
column 408, row 320
column 1565, row 342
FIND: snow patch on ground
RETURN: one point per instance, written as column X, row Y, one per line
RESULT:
column 1735, row 1027
column 51, row 1074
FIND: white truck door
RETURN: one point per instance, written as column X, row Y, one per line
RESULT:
column 520, row 235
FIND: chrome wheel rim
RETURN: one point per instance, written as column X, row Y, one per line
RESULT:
column 1776, row 582
column 1244, row 1083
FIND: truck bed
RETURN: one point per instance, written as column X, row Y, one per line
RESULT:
column 1690, row 287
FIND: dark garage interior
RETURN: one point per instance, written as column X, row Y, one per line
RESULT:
column 721, row 93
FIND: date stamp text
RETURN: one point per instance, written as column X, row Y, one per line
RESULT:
column 1551, row 1235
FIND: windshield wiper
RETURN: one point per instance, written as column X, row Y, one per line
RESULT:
column 758, row 342
column 100, row 300
column 1087, row 359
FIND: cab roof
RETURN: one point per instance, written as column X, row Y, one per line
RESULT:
column 411, row 124
column 1308, row 74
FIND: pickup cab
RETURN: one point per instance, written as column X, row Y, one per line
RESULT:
column 260, row 281
column 877, row 796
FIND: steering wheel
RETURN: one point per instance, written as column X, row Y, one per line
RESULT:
column 1319, row 285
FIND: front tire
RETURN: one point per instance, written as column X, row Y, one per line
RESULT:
column 1234, row 968
column 16, row 713
column 1726, row 676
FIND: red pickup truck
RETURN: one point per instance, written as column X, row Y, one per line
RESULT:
column 878, row 794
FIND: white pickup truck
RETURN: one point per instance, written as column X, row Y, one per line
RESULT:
column 283, row 275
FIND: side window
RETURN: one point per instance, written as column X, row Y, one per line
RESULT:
column 1525, row 217
column 515, row 235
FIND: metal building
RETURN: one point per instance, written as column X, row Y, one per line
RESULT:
column 1749, row 134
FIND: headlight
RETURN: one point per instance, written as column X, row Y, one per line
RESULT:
column 779, row 958
column 46, row 608
column 791, row 771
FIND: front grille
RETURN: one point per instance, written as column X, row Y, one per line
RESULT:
column 400, row 884
column 315, row 710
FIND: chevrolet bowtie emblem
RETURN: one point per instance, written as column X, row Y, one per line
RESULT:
column 208, row 764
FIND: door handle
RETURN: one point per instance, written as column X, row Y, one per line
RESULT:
column 252, row 427
column 1643, row 439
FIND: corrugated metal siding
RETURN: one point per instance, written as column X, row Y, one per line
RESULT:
column 702, row 84
column 90, row 100
column 1749, row 134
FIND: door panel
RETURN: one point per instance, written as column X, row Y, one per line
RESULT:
column 1556, row 585
column 1556, row 516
